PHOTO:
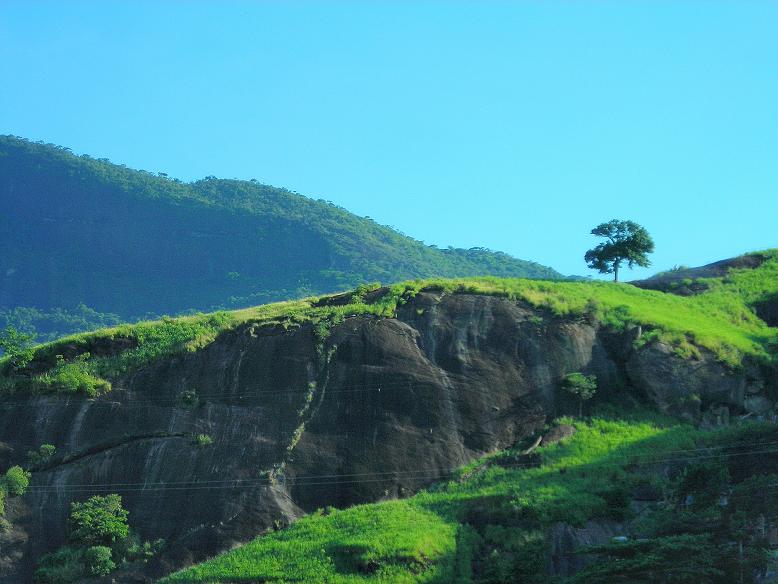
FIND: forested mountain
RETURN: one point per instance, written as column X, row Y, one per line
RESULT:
column 77, row 230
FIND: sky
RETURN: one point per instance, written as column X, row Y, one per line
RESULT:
column 516, row 126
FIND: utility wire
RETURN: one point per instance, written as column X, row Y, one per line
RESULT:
column 308, row 480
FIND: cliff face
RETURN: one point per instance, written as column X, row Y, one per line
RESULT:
column 377, row 410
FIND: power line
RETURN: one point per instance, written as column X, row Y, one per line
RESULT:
column 313, row 480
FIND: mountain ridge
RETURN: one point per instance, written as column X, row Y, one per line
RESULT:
column 79, row 230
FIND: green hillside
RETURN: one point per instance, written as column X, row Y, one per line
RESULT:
column 78, row 230
column 487, row 524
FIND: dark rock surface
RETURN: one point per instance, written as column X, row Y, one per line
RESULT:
column 565, row 541
column 556, row 434
column 389, row 405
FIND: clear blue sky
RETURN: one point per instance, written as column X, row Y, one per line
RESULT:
column 512, row 125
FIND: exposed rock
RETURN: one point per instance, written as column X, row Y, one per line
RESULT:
column 564, row 541
column 686, row 387
column 389, row 405
column 556, row 434
column 399, row 402
column 757, row 404
column 767, row 309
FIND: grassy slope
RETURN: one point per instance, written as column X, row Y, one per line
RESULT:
column 425, row 539
column 719, row 320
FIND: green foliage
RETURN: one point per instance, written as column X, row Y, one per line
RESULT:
column 98, row 560
column 509, row 555
column 755, row 496
column 628, row 243
column 48, row 325
column 363, row 290
column 682, row 559
column 390, row 542
column 581, row 386
column 64, row 566
column 203, row 440
column 17, row 346
column 42, row 455
column 15, row 481
column 189, row 398
column 132, row 549
column 702, row 484
column 100, row 539
column 98, row 521
column 75, row 376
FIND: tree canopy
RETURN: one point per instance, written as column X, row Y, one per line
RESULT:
column 627, row 243
column 98, row 521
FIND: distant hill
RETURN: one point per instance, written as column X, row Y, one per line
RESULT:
column 75, row 230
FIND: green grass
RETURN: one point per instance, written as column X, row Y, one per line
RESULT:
column 426, row 539
column 389, row 542
column 720, row 320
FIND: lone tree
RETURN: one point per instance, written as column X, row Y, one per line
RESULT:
column 628, row 243
column 581, row 386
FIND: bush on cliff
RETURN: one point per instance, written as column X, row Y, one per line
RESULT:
column 100, row 539
column 98, row 521
column 16, row 481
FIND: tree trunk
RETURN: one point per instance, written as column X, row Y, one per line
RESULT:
column 616, row 272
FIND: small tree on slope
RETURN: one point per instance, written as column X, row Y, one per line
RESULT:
column 581, row 386
column 628, row 243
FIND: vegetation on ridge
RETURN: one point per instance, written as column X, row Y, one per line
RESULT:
column 720, row 319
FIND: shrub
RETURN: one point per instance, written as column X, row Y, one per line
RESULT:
column 691, row 559
column 362, row 291
column 203, row 440
column 98, row 521
column 61, row 567
column 189, row 398
column 582, row 386
column 42, row 455
column 133, row 550
column 704, row 482
column 98, row 561
column 75, row 376
column 16, row 481
column 17, row 346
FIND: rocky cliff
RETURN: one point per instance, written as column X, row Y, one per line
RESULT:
column 377, row 409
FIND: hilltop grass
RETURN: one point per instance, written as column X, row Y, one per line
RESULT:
column 432, row 536
column 720, row 320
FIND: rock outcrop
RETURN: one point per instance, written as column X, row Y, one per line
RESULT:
column 379, row 409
